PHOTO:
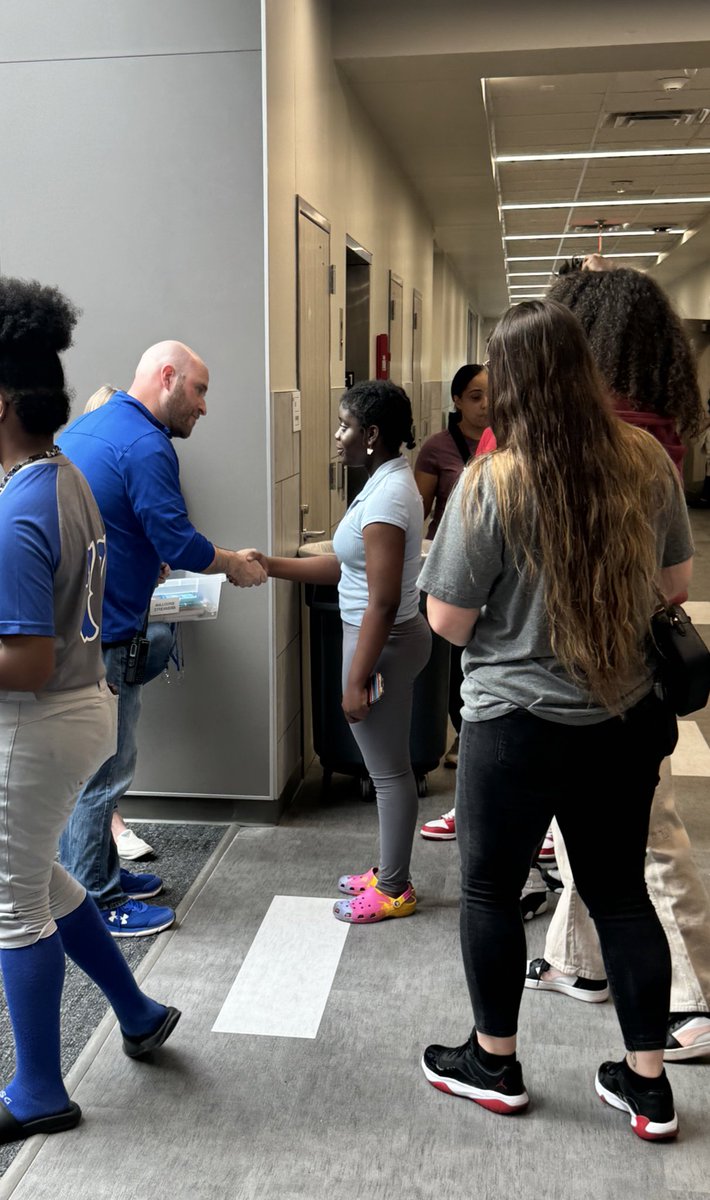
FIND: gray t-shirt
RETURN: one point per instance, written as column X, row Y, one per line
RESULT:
column 390, row 497
column 53, row 554
column 509, row 663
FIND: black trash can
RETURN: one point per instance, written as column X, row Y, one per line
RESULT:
column 332, row 737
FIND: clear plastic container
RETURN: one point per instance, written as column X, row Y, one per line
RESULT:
column 186, row 597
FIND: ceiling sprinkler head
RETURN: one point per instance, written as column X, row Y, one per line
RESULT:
column 620, row 185
column 674, row 83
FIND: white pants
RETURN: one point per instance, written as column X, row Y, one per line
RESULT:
column 50, row 745
column 679, row 897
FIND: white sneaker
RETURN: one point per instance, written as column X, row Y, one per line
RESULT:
column 130, row 846
column 533, row 898
column 442, row 829
column 688, row 1037
column 593, row 991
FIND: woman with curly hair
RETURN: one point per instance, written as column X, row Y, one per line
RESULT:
column 57, row 717
column 640, row 347
column 376, row 560
column 544, row 568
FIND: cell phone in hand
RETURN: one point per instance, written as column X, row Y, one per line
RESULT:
column 375, row 688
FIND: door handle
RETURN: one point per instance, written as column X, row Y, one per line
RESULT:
column 307, row 534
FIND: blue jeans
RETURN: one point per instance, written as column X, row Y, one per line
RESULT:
column 86, row 848
column 514, row 774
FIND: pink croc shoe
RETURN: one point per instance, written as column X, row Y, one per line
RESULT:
column 374, row 905
column 355, row 885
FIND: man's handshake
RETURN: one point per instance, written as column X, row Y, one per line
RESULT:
column 246, row 568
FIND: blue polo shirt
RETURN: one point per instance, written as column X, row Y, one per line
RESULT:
column 127, row 456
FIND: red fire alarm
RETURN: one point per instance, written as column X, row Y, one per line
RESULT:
column 382, row 349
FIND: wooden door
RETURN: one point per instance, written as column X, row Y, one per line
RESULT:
column 314, row 371
column 395, row 329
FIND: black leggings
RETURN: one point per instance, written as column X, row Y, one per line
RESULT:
column 514, row 774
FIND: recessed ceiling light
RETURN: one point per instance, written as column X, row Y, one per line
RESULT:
column 551, row 237
column 640, row 201
column 572, row 155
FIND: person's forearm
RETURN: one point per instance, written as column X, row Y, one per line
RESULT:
column 320, row 568
column 220, row 562
column 375, row 629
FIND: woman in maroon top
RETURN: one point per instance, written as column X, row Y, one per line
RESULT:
column 439, row 463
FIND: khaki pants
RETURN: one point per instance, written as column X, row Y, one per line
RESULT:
column 678, row 895
column 49, row 746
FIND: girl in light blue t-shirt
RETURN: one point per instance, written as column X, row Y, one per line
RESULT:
column 375, row 565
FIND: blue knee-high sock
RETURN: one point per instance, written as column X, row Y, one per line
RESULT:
column 88, row 942
column 34, row 977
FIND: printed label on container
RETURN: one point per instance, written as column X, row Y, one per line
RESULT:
column 163, row 606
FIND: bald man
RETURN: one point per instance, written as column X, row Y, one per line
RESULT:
column 125, row 451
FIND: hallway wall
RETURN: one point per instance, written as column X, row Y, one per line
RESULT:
column 323, row 148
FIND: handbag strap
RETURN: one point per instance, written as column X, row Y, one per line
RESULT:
column 458, row 439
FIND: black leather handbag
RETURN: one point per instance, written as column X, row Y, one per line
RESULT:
column 683, row 660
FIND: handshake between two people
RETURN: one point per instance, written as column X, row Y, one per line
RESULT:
column 246, row 568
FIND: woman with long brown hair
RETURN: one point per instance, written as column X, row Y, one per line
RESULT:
column 545, row 569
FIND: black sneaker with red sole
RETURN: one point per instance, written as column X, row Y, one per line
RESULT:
column 458, row 1071
column 651, row 1109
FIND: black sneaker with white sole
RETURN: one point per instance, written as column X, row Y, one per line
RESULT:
column 459, row 1071
column 533, row 898
column 552, row 880
column 593, row 991
column 648, row 1101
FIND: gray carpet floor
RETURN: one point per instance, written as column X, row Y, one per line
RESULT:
column 181, row 852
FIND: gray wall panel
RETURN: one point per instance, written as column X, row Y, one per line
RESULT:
column 136, row 185
column 38, row 29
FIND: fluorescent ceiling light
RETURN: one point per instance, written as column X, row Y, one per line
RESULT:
column 567, row 156
column 639, row 201
column 551, row 237
column 560, row 257
column 520, row 274
column 526, row 287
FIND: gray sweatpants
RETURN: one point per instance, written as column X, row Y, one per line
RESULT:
column 383, row 739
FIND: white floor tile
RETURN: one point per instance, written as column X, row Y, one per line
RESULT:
column 698, row 611
column 692, row 754
column 285, row 980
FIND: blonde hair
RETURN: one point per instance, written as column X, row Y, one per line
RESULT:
column 99, row 397
column 577, row 491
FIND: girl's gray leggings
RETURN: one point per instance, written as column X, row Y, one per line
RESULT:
column 383, row 739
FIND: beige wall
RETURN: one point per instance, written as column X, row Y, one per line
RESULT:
column 449, row 328
column 691, row 293
column 322, row 147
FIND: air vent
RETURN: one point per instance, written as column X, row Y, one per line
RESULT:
column 665, row 116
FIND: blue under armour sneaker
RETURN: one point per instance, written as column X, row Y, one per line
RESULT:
column 136, row 919
column 140, row 885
